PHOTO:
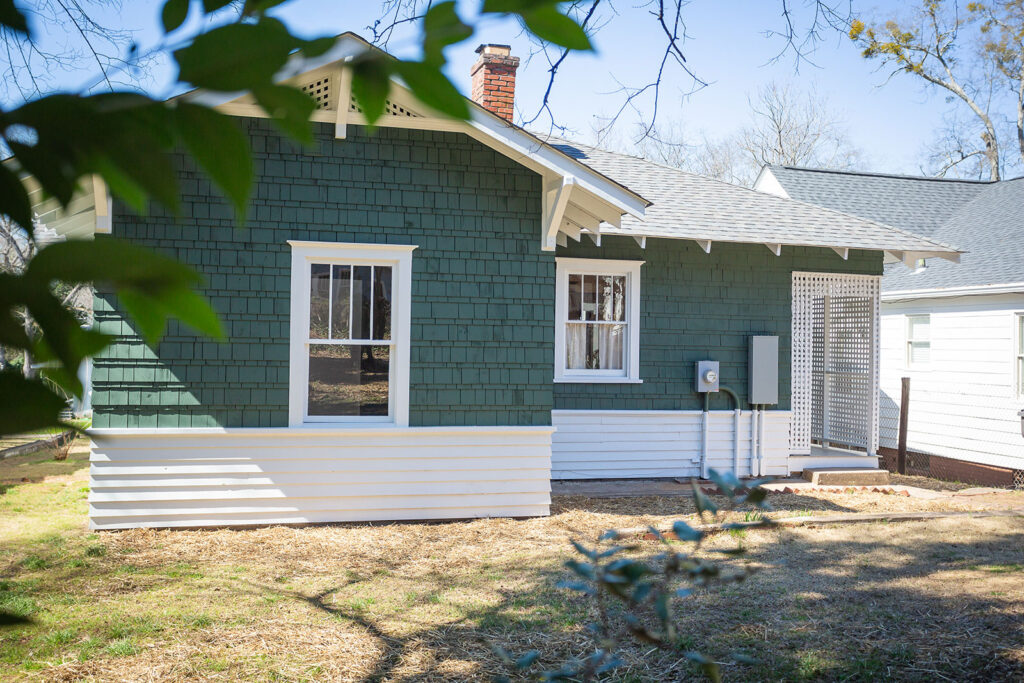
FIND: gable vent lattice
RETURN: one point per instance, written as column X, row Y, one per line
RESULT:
column 319, row 90
column 390, row 109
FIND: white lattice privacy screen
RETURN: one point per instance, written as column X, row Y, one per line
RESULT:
column 835, row 361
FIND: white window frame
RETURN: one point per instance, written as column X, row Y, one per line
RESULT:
column 910, row 341
column 630, row 373
column 399, row 257
column 1018, row 353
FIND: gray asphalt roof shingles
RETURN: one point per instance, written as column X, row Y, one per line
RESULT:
column 689, row 206
column 986, row 219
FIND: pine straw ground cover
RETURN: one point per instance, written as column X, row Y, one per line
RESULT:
column 913, row 601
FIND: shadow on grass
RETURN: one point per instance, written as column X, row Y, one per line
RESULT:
column 876, row 604
column 682, row 505
column 36, row 467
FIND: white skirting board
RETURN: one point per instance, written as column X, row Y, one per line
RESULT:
column 607, row 444
column 297, row 475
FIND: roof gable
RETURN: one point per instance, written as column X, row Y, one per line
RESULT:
column 985, row 218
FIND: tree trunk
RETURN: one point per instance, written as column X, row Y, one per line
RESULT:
column 26, row 369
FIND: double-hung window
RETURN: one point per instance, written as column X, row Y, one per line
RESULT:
column 597, row 311
column 919, row 340
column 1018, row 344
column 350, row 312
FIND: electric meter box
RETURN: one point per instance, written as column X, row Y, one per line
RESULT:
column 706, row 376
column 764, row 370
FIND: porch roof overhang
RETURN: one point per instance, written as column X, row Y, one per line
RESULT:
column 705, row 210
column 576, row 197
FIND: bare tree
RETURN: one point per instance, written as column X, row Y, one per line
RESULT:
column 787, row 127
column 16, row 250
column 969, row 54
column 79, row 39
column 803, row 24
column 1002, row 28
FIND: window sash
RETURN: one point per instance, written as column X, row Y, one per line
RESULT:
column 593, row 294
column 334, row 266
column 1020, row 353
column 919, row 340
column 396, row 291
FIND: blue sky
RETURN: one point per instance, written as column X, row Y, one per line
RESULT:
column 727, row 47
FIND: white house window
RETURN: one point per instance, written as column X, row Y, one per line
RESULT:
column 350, row 312
column 1020, row 353
column 919, row 340
column 597, row 311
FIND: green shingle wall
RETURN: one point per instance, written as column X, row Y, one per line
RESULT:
column 483, row 291
column 697, row 306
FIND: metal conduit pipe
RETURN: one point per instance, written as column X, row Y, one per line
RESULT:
column 705, row 436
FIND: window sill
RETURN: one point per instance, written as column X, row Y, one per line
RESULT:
column 597, row 380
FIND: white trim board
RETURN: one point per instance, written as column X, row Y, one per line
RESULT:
column 972, row 290
column 256, row 476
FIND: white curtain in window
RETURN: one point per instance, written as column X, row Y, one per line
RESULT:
column 609, row 347
column 576, row 346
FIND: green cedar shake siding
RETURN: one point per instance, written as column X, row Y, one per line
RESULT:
column 697, row 306
column 482, row 300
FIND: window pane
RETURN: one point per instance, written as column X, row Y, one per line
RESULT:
column 594, row 347
column 381, row 302
column 361, row 284
column 619, row 289
column 348, row 380
column 919, row 327
column 319, row 302
column 920, row 352
column 575, row 297
column 590, row 297
column 605, row 298
column 340, row 285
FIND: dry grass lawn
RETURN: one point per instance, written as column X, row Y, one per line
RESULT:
column 939, row 600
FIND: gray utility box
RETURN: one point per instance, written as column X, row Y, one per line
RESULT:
column 706, row 376
column 764, row 370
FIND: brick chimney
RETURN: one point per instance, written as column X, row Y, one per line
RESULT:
column 494, row 79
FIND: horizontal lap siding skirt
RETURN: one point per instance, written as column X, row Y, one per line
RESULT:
column 647, row 444
column 243, row 477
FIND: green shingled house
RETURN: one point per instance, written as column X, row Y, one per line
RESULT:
column 437, row 319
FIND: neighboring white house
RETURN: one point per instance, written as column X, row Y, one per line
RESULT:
column 957, row 330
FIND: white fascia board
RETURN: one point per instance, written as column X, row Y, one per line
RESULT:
column 522, row 144
column 972, row 290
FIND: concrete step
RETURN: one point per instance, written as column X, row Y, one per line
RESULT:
column 846, row 476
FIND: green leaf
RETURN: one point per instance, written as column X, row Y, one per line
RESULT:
column 253, row 7
column 707, row 665
column 318, row 46
column 236, row 57
column 221, row 148
column 110, row 260
column 28, row 404
column 547, row 23
column 12, row 18
column 527, row 659
column 685, row 532
column 442, row 27
column 290, row 109
column 433, row 88
column 371, row 83
column 214, row 5
column 174, row 14
column 14, row 201
column 578, row 586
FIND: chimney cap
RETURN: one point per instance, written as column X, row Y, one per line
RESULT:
column 494, row 49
